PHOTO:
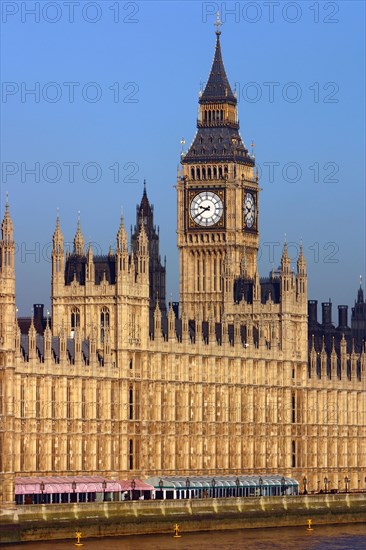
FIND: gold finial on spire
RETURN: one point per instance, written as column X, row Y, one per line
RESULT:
column 360, row 281
column 252, row 146
column 218, row 23
column 182, row 142
column 7, row 198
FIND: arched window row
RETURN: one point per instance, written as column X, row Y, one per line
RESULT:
column 213, row 115
column 206, row 238
column 209, row 172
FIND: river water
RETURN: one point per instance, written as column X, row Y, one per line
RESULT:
column 338, row 537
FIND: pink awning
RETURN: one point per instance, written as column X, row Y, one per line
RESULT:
column 58, row 484
column 140, row 485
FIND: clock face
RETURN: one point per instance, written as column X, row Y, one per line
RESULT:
column 249, row 210
column 206, row 208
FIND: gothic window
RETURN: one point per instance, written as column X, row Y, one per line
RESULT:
column 203, row 173
column 205, row 116
column 220, row 172
column 104, row 322
column 293, row 454
column 209, row 117
column 130, row 456
column 198, row 174
column 221, row 115
column 214, row 172
column 75, row 319
column 209, row 172
column 130, row 402
column 226, row 170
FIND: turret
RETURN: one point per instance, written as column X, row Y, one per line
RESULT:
column 287, row 279
column 301, row 277
column 122, row 257
column 79, row 245
column 7, row 284
column 171, row 323
column 143, row 255
column 157, row 271
column 7, row 246
column 90, row 272
column 157, row 322
column 32, row 342
column 58, row 259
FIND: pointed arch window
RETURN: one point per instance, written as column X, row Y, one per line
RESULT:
column 75, row 320
column 104, row 322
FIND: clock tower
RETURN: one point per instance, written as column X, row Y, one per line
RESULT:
column 217, row 202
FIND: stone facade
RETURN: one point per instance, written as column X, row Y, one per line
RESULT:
column 118, row 387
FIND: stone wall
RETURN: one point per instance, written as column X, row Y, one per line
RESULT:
column 49, row 522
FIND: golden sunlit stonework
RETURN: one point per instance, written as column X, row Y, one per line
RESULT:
column 222, row 383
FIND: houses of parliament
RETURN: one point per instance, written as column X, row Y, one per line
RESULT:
column 239, row 377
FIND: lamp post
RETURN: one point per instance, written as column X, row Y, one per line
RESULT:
column 73, row 485
column 42, row 489
column 133, row 486
column 305, row 482
column 188, row 484
column 318, row 482
column 325, row 484
column 237, row 482
column 260, row 486
column 161, row 485
column 346, row 481
column 104, row 485
column 283, row 486
column 213, row 487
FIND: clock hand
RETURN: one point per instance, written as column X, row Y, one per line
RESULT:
column 203, row 209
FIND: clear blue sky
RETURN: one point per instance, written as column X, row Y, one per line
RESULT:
column 156, row 54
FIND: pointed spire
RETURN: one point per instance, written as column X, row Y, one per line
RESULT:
column 360, row 296
column 301, row 262
column 285, row 259
column 122, row 237
column 312, row 342
column 218, row 87
column 79, row 240
column 7, row 227
column 58, row 238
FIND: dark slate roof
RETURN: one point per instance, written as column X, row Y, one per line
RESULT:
column 243, row 289
column 70, row 345
column 76, row 265
column 218, row 88
column 270, row 286
column 107, row 265
column 221, row 142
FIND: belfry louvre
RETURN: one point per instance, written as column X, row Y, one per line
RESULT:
column 225, row 382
